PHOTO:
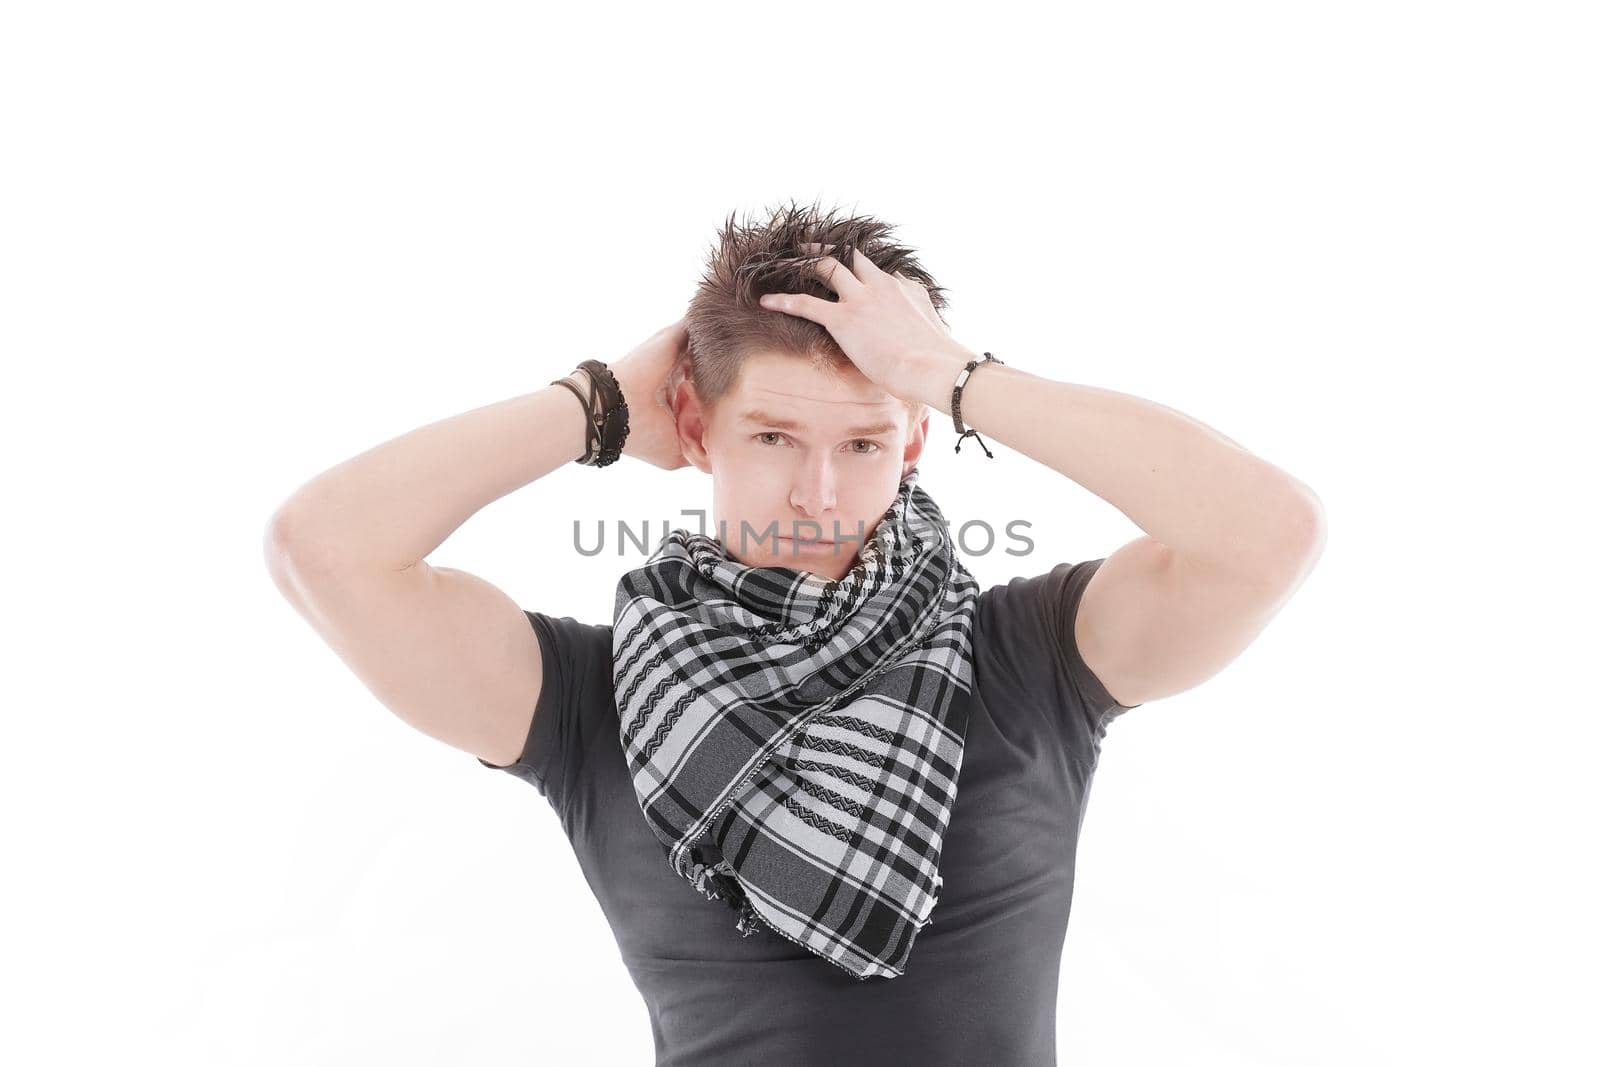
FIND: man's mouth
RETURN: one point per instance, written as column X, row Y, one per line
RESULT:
column 805, row 542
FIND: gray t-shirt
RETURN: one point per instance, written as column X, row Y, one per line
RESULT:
column 980, row 984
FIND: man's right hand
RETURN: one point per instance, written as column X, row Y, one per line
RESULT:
column 648, row 377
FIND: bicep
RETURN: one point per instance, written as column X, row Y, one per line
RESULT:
column 443, row 649
column 1153, row 622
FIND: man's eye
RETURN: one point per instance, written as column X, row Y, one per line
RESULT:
column 769, row 433
column 875, row 447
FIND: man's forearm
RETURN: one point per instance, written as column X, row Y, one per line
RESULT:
column 393, row 504
column 1183, row 483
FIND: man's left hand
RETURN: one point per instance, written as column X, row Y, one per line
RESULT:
column 885, row 323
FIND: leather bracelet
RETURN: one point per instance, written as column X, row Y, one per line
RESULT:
column 606, row 429
column 613, row 425
column 591, row 431
column 955, row 402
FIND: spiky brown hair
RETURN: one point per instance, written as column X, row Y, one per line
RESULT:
column 727, row 323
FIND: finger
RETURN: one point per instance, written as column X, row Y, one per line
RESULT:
column 813, row 248
column 861, row 265
column 835, row 276
column 865, row 269
column 801, row 305
column 916, row 287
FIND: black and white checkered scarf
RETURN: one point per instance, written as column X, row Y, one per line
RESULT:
column 795, row 741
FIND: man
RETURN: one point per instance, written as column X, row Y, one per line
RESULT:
column 811, row 715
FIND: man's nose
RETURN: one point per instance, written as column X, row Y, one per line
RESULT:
column 813, row 489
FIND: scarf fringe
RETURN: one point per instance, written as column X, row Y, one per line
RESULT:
column 717, row 881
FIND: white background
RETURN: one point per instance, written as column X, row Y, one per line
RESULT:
column 242, row 242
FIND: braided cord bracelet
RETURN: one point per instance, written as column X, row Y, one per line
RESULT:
column 955, row 402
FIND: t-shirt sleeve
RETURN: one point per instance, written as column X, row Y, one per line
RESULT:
column 1042, row 609
column 577, row 678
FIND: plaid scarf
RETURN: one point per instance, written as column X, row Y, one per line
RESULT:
column 794, row 740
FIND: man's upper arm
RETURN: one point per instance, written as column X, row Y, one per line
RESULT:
column 1152, row 622
column 443, row 649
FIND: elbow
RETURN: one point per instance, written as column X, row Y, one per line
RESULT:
column 291, row 550
column 275, row 543
column 1303, row 533
column 1313, row 523
column 279, row 548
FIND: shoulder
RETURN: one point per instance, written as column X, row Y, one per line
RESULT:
column 575, row 653
column 574, row 706
column 1028, row 623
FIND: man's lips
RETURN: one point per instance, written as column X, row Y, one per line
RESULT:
column 803, row 540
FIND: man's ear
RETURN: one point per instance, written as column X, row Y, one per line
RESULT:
column 690, row 415
column 915, row 443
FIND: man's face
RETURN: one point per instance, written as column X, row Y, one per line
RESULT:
column 803, row 460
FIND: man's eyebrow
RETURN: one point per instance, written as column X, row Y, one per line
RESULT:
column 765, row 419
